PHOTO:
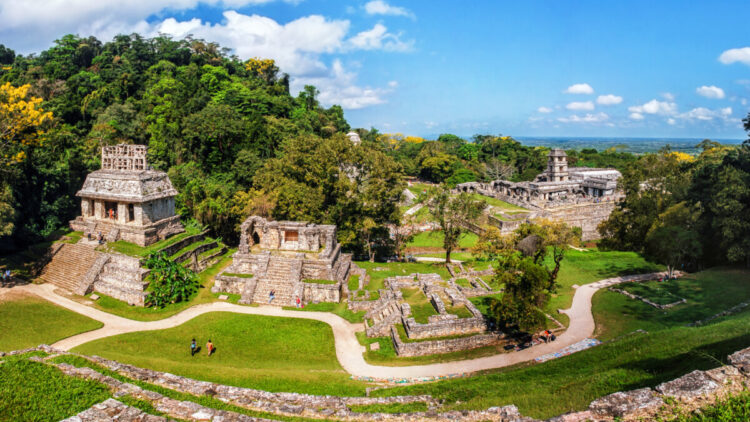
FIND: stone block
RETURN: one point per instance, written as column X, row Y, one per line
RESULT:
column 688, row 386
column 624, row 403
column 741, row 360
column 223, row 297
column 374, row 346
column 94, row 296
column 725, row 375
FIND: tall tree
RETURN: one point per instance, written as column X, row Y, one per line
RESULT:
column 455, row 214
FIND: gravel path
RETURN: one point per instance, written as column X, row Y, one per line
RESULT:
column 348, row 350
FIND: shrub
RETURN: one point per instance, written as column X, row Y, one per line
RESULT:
column 171, row 282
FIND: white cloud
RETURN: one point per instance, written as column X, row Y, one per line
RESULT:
column 340, row 87
column 588, row 118
column 544, row 110
column 579, row 89
column 393, row 84
column 734, row 55
column 608, row 99
column 671, row 121
column 379, row 7
column 378, row 38
column 668, row 96
column 655, row 107
column 580, row 105
column 710, row 92
column 636, row 116
column 704, row 114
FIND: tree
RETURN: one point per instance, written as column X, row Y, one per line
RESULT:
column 171, row 282
column 495, row 169
column 402, row 234
column 555, row 236
column 21, row 121
column 674, row 247
column 521, row 306
column 455, row 215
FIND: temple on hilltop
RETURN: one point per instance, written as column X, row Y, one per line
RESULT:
column 127, row 199
column 291, row 258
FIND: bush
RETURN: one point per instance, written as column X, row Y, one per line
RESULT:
column 171, row 282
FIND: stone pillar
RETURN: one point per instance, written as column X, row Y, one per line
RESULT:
column 138, row 214
column 85, row 207
column 98, row 209
column 122, row 213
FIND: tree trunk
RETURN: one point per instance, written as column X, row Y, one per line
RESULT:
column 448, row 255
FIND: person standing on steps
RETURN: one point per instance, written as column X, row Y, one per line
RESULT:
column 271, row 296
column 192, row 348
column 298, row 302
column 210, row 347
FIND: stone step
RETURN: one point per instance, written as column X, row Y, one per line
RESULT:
column 124, row 273
column 123, row 284
column 69, row 265
column 131, row 296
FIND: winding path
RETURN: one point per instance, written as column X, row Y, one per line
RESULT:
column 348, row 350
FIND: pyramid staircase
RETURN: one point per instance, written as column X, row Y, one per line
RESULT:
column 74, row 268
column 283, row 277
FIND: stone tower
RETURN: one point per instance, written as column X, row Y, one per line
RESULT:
column 557, row 166
column 127, row 200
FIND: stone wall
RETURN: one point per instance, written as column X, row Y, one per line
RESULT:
column 316, row 293
column 235, row 285
column 175, row 247
column 586, row 216
column 423, row 348
column 444, row 325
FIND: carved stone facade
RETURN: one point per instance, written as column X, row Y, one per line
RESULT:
column 127, row 200
column 294, row 260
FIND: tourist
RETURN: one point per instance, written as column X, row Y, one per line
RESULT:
column 271, row 296
column 210, row 347
column 298, row 302
column 546, row 336
column 192, row 348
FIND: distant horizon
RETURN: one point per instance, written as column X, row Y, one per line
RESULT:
column 597, row 138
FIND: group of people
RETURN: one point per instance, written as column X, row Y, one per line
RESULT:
column 272, row 296
column 6, row 276
column 194, row 348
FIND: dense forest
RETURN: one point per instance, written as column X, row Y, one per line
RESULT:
column 236, row 142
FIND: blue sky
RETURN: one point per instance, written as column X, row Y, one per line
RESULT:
column 523, row 68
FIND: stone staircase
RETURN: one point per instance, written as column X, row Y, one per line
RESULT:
column 123, row 278
column 283, row 277
column 70, row 267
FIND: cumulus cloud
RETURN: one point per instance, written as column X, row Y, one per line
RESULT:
column 608, row 99
column 668, row 96
column 704, row 114
column 379, row 7
column 710, row 92
column 378, row 38
column 580, row 105
column 636, row 116
column 665, row 108
column 579, row 89
column 588, row 118
column 340, row 87
column 544, row 110
column 735, row 55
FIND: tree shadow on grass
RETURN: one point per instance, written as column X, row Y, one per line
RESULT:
column 707, row 356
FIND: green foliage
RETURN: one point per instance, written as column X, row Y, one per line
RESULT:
column 454, row 214
column 525, row 297
column 170, row 281
column 32, row 391
column 390, row 408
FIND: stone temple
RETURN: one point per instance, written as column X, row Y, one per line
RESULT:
column 581, row 196
column 293, row 259
column 126, row 199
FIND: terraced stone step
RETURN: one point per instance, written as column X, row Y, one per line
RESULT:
column 69, row 265
column 131, row 296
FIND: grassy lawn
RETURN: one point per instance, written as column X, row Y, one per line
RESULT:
column 660, row 293
column 203, row 295
column 31, row 391
column 339, row 309
column 269, row 353
column 28, row 321
column 421, row 307
column 708, row 293
column 419, row 188
column 434, row 239
column 353, row 283
column 505, row 206
column 572, row 382
column 459, row 310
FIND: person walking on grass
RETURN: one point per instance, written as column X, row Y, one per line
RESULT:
column 210, row 347
column 192, row 348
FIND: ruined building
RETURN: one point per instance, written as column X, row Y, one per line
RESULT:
column 581, row 196
column 127, row 199
column 293, row 259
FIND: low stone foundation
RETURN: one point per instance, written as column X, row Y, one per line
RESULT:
column 316, row 293
column 423, row 348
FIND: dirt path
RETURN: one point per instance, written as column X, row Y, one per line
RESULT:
column 348, row 350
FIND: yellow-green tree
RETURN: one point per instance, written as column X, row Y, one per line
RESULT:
column 21, row 123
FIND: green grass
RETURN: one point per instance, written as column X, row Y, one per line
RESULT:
column 31, row 321
column 191, row 247
column 421, row 307
column 434, row 239
column 132, row 249
column 659, row 293
column 459, row 310
column 238, row 275
column 319, row 281
column 31, row 391
column 339, row 309
column 708, row 293
column 463, row 282
column 268, row 353
column 143, row 405
column 73, row 237
column 353, row 282
column 405, row 339
column 210, row 252
column 572, row 382
column 203, row 295
column 419, row 188
column 729, row 409
column 505, row 206
column 390, row 408
column 206, row 401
